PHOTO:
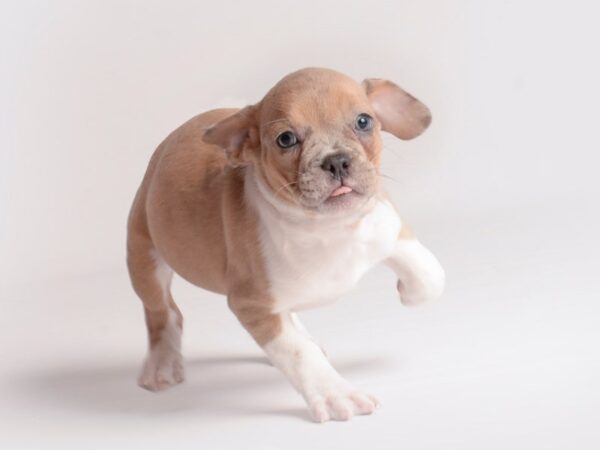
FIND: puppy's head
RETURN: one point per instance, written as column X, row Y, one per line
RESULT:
column 314, row 139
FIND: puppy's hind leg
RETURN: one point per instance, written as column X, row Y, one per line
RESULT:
column 151, row 279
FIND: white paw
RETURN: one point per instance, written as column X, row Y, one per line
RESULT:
column 427, row 287
column 161, row 370
column 340, row 403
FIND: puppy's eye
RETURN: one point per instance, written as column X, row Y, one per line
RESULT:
column 364, row 122
column 287, row 139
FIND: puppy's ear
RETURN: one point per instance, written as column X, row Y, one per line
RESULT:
column 399, row 112
column 234, row 133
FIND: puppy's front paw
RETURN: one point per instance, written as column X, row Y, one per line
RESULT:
column 161, row 370
column 340, row 402
column 428, row 286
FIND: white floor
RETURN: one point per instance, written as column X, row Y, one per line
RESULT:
column 508, row 359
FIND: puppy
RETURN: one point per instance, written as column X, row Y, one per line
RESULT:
column 279, row 207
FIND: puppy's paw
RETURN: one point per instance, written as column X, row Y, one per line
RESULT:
column 428, row 286
column 340, row 403
column 161, row 370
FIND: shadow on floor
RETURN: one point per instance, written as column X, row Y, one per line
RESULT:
column 239, row 385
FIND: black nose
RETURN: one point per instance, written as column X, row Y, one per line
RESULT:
column 337, row 164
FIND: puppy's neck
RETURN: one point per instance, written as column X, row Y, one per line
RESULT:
column 267, row 203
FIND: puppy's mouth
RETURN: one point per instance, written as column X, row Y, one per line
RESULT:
column 342, row 195
column 324, row 193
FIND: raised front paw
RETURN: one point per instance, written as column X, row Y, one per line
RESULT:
column 340, row 402
column 426, row 285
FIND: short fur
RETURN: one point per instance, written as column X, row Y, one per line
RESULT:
column 227, row 209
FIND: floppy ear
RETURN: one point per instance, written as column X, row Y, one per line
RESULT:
column 233, row 133
column 399, row 112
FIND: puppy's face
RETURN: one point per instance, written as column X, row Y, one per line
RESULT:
column 315, row 140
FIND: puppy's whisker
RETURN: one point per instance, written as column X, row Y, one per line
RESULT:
column 388, row 177
column 394, row 152
column 287, row 185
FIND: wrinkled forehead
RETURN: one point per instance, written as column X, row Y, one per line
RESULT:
column 316, row 101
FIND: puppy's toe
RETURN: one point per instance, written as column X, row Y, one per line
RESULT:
column 318, row 411
column 364, row 403
column 341, row 405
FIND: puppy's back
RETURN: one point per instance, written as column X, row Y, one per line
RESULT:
column 185, row 171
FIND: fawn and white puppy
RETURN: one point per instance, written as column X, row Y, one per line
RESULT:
column 279, row 207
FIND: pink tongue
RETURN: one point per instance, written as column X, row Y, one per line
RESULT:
column 340, row 191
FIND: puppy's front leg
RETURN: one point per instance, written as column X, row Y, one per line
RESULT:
column 420, row 276
column 291, row 350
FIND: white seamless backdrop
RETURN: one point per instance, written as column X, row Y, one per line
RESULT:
column 89, row 90
column 503, row 187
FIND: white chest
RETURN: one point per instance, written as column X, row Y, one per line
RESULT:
column 309, row 264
